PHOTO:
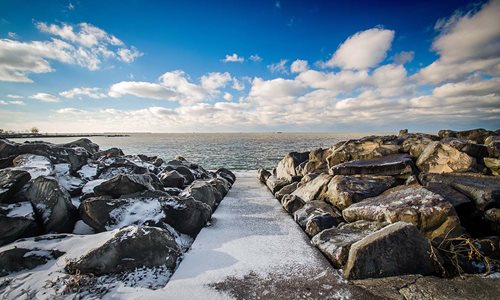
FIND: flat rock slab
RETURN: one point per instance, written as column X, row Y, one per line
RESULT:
column 391, row 165
column 252, row 250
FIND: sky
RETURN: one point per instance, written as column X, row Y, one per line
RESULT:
column 249, row 66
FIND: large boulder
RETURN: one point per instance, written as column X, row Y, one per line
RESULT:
column 7, row 148
column 493, row 164
column 16, row 221
column 396, row 249
column 263, row 175
column 286, row 190
column 335, row 243
column 477, row 135
column 76, row 157
column 111, row 152
column 286, row 168
column 181, row 169
column 52, row 205
column 316, row 163
column 109, row 167
column 18, row 259
column 344, row 190
column 11, row 182
column 203, row 192
column 128, row 184
column 36, row 165
column 226, row 174
column 84, row 143
column 433, row 215
column 275, row 184
column 132, row 247
column 70, row 183
column 400, row 165
column 414, row 144
column 314, row 189
column 316, row 208
column 172, row 179
column 186, row 214
column 440, row 157
column 292, row 203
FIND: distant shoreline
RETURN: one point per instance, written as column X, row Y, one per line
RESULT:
column 62, row 135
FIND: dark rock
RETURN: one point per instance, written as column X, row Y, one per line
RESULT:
column 18, row 259
column 76, row 157
column 476, row 135
column 7, row 148
column 128, row 184
column 315, row 208
column 221, row 186
column 286, row 168
column 400, row 165
column 292, row 203
column 171, row 179
column 433, row 215
column 318, row 223
column 335, row 243
column 226, row 174
column 274, row 184
column 494, row 149
column 132, row 247
column 342, row 191
column 461, row 203
column 184, row 171
column 16, row 221
column 397, row 249
column 314, row 189
column 84, row 143
column 36, row 165
column 288, row 189
column 201, row 191
column 52, row 205
column 70, row 183
column 11, row 182
column 263, row 175
column 111, row 152
column 186, row 214
column 7, row 162
column 492, row 215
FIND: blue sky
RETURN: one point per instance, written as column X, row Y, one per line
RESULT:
column 92, row 66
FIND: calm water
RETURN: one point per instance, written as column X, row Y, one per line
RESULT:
column 238, row 151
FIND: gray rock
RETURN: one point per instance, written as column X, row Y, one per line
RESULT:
column 335, row 243
column 11, row 182
column 128, row 184
column 400, row 165
column 314, row 189
column 18, row 259
column 292, row 203
column 203, row 192
column 184, row 171
column 477, row 135
column 344, row 190
column 275, row 184
column 84, row 143
column 286, row 190
column 317, row 162
column 316, row 208
column 226, row 174
column 171, row 179
column 263, row 175
column 186, row 214
column 111, row 152
column 52, row 205
column 16, row 221
column 7, row 148
column 397, row 249
column 132, row 247
column 36, row 165
column 318, row 223
column 494, row 149
column 286, row 168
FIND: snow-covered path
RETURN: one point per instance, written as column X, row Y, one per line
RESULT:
column 252, row 250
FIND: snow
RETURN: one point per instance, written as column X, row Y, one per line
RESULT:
column 21, row 209
column 89, row 186
column 136, row 212
column 36, row 165
column 65, row 180
column 82, row 228
column 88, row 171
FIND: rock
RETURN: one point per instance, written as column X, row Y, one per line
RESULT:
column 263, row 175
column 433, row 215
column 461, row 203
column 442, row 158
column 76, row 157
column 186, row 214
column 131, row 247
column 292, row 203
column 344, row 190
column 286, row 168
column 52, row 205
column 314, row 189
column 7, row 148
column 286, row 190
column 109, row 167
column 316, row 208
column 171, row 179
column 70, row 183
column 494, row 149
column 397, row 249
column 36, row 165
column 226, row 174
column 318, row 223
column 128, row 184
column 335, row 243
column 84, row 143
column 7, row 162
column 317, row 162
column 275, row 184
column 365, row 148
column 203, row 192
column 476, row 135
column 16, row 221
column 493, row 164
column 414, row 144
column 18, row 259
column 11, row 182
column 88, row 172
column 400, row 165
column 184, row 171
column 492, row 215
column 111, row 152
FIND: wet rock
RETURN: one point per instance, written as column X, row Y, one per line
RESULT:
column 171, row 179
column 275, row 184
column 18, row 259
column 400, row 165
column 16, row 221
column 52, row 205
column 11, row 182
column 286, row 168
column 292, row 203
column 128, row 184
column 493, row 164
column 344, row 190
column 335, row 243
column 84, row 143
column 433, row 215
column 316, row 208
column 476, row 135
column 111, row 152
column 263, row 175
column 440, row 157
column 314, row 189
column 131, row 247
column 286, row 190
column 396, row 249
column 36, row 165
column 226, row 174
column 203, row 192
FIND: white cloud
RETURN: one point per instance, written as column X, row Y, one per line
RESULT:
column 233, row 58
column 299, row 66
column 403, row 57
column 94, row 93
column 279, row 67
column 238, row 85
column 363, row 50
column 71, row 110
column 255, row 58
column 14, row 96
column 12, row 35
column 128, row 55
column 44, row 97
column 215, row 80
column 228, row 97
column 88, row 35
column 468, row 88
column 17, row 102
column 142, row 90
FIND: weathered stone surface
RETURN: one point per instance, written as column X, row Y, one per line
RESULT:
column 292, row 203
column 392, row 165
column 314, row 189
column 494, row 149
column 286, row 168
column 7, row 148
column 36, row 165
column 318, row 223
column 111, row 152
column 415, row 143
column 186, row 214
column 172, row 179
column 16, row 221
column 344, row 190
column 317, row 162
column 132, row 247
column 263, row 175
column 440, row 157
column 493, row 164
column 275, row 184
column 477, row 135
column 335, row 243
column 52, row 205
column 461, row 203
column 414, row 204
column 128, row 184
column 286, row 190
column 396, row 249
column 11, row 182
column 226, row 174
column 84, row 143
column 316, row 208
column 18, row 259
column 201, row 191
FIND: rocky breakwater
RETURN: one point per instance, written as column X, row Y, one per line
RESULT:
column 385, row 206
column 75, row 218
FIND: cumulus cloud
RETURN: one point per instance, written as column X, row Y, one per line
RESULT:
column 362, row 50
column 238, row 85
column 94, row 93
column 255, row 58
column 299, row 66
column 44, row 97
column 215, row 80
column 228, row 97
column 233, row 58
column 468, row 88
column 403, row 57
column 279, row 67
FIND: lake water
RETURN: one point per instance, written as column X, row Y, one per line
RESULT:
column 237, row 151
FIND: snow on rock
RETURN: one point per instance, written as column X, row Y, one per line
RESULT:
column 136, row 212
column 72, row 184
column 20, row 210
column 36, row 165
column 88, row 172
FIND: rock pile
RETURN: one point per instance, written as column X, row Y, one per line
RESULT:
column 393, row 205
column 151, row 208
